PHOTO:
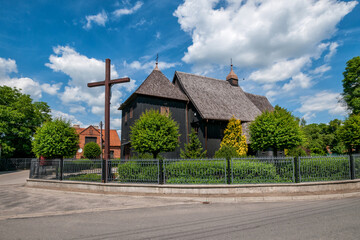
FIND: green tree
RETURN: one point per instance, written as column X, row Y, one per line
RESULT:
column 92, row 150
column 55, row 139
column 19, row 118
column 319, row 137
column 351, row 85
column 350, row 133
column 193, row 149
column 233, row 137
column 277, row 130
column 154, row 133
column 227, row 152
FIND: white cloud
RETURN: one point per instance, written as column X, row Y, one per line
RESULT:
column 99, row 19
column 299, row 81
column 25, row 84
column 280, row 38
column 322, row 101
column 51, row 89
column 7, row 66
column 322, row 69
column 149, row 66
column 66, row 116
column 158, row 35
column 332, row 51
column 81, row 71
column 279, row 71
column 77, row 109
column 127, row 11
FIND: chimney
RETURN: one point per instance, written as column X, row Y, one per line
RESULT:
column 76, row 126
column 232, row 78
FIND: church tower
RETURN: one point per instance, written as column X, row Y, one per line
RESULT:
column 232, row 78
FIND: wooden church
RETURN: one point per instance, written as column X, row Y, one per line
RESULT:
column 195, row 102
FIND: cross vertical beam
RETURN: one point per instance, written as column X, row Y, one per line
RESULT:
column 107, row 83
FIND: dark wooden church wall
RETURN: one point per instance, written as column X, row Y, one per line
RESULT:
column 143, row 103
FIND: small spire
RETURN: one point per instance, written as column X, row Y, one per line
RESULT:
column 232, row 75
column 157, row 61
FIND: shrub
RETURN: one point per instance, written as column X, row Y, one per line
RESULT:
column 254, row 171
column 92, row 177
column 79, row 165
column 138, row 171
column 323, row 169
column 92, row 150
column 195, row 171
column 226, row 152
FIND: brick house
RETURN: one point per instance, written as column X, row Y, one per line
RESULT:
column 92, row 134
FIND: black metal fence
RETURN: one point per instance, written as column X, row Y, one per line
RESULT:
column 8, row 164
column 203, row 171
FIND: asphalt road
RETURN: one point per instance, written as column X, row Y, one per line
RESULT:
column 29, row 213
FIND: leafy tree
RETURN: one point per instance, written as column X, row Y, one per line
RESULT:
column 19, row 118
column 92, row 150
column 154, row 133
column 193, row 149
column 351, row 85
column 55, row 139
column 350, row 133
column 233, row 137
column 277, row 130
column 318, row 137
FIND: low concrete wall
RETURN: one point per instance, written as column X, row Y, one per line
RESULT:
column 205, row 190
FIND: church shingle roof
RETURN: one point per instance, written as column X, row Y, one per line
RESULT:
column 261, row 102
column 219, row 100
column 157, row 85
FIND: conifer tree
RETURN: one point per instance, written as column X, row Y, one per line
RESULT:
column 233, row 137
column 193, row 149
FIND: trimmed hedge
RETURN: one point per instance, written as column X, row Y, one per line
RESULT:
column 195, row 171
column 144, row 172
column 90, row 177
column 317, row 169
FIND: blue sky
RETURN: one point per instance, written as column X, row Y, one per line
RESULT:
column 293, row 52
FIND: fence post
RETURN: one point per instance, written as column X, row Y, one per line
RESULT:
column 161, row 171
column 61, row 168
column 228, row 170
column 352, row 166
column 297, row 169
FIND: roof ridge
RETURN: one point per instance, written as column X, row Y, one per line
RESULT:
column 211, row 78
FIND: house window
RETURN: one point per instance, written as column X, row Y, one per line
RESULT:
column 90, row 139
column 165, row 111
column 111, row 154
column 131, row 112
column 125, row 116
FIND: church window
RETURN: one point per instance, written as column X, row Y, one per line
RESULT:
column 125, row 116
column 165, row 111
column 131, row 112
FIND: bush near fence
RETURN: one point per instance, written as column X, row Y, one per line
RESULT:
column 195, row 171
column 137, row 171
column 324, row 168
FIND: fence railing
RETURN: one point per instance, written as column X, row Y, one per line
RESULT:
column 324, row 168
column 262, row 170
column 8, row 164
column 203, row 171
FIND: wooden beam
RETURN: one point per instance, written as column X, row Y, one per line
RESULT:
column 102, row 83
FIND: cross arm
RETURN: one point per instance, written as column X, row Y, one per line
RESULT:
column 102, row 83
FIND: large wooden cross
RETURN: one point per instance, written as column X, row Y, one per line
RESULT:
column 107, row 83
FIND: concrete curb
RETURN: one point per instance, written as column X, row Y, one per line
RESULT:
column 214, row 193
